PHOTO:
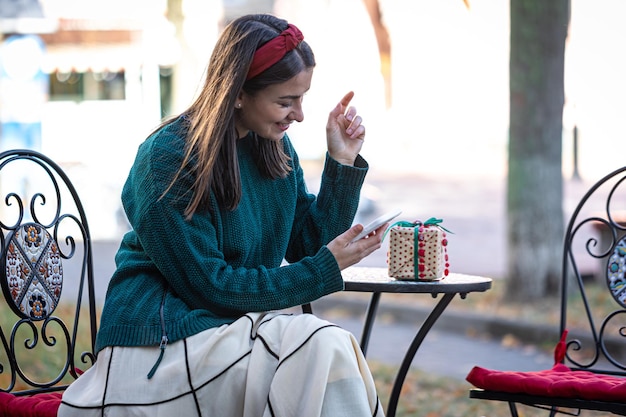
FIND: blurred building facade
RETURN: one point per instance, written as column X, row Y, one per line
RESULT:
column 91, row 91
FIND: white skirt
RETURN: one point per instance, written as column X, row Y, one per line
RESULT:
column 264, row 364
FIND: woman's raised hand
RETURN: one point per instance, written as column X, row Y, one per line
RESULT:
column 345, row 132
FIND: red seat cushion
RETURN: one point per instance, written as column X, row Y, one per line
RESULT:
column 39, row 405
column 560, row 381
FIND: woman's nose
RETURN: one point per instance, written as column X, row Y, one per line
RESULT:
column 297, row 114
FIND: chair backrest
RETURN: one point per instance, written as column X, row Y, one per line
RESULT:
column 48, row 320
column 593, row 296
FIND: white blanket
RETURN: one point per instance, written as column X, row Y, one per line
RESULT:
column 268, row 364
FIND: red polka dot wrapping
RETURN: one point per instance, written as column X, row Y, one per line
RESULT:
column 431, row 244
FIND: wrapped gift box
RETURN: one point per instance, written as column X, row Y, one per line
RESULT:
column 418, row 251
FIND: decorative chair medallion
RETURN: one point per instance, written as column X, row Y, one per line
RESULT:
column 616, row 272
column 34, row 273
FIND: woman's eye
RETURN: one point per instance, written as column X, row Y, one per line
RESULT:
column 285, row 105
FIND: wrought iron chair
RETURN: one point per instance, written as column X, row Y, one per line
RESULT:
column 590, row 358
column 48, row 321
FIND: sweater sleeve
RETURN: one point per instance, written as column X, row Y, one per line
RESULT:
column 319, row 220
column 187, row 254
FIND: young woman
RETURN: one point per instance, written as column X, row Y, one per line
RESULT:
column 217, row 201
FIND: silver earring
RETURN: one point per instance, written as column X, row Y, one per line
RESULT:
column 238, row 105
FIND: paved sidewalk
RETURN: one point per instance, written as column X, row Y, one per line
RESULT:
column 457, row 342
column 447, row 353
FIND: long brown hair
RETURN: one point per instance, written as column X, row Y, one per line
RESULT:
column 211, row 138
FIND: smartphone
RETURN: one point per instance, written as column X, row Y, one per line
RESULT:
column 376, row 223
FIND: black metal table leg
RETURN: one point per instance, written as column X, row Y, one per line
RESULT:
column 410, row 354
column 369, row 322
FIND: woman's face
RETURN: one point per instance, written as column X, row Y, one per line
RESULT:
column 270, row 111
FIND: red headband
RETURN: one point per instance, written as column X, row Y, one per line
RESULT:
column 274, row 50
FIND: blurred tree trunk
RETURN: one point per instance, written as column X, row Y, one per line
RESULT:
column 384, row 44
column 535, row 181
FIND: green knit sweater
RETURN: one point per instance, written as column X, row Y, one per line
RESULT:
column 177, row 277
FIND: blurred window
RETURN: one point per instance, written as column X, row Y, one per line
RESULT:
column 89, row 85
